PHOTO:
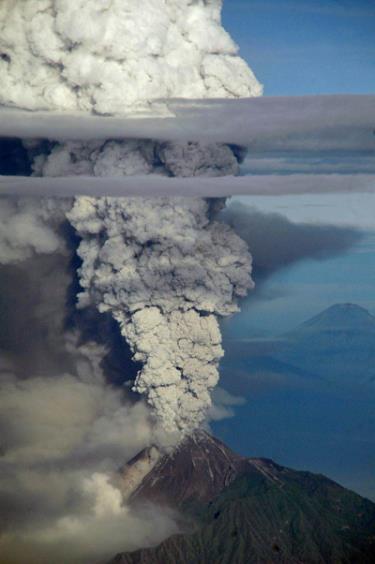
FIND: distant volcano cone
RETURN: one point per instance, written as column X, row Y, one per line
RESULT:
column 341, row 317
column 337, row 345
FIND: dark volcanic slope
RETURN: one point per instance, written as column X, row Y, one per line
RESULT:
column 252, row 510
column 195, row 472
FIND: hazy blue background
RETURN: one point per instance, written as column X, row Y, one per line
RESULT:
column 295, row 48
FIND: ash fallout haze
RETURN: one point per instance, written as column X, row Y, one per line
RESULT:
column 114, row 290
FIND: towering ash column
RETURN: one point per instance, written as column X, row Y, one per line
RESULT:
column 164, row 268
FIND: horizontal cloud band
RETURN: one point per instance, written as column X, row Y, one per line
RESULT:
column 264, row 124
column 259, row 185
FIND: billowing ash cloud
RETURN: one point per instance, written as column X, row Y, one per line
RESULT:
column 115, row 56
column 165, row 271
column 162, row 267
column 134, row 157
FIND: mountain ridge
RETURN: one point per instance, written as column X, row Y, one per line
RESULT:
column 339, row 317
column 337, row 346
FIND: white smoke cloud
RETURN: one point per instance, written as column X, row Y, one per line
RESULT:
column 116, row 56
column 107, row 499
column 46, row 419
column 91, row 528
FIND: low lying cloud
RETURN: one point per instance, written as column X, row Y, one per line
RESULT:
column 62, row 439
column 309, row 163
column 290, row 124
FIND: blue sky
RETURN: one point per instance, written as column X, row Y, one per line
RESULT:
column 298, row 47
column 306, row 47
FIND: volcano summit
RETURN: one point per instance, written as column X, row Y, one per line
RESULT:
column 241, row 510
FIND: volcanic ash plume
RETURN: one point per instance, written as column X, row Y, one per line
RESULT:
column 164, row 271
column 163, row 268
column 116, row 56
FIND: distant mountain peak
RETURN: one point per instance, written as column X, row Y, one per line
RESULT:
column 348, row 308
column 339, row 317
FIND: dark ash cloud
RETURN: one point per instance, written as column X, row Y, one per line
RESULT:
column 276, row 243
